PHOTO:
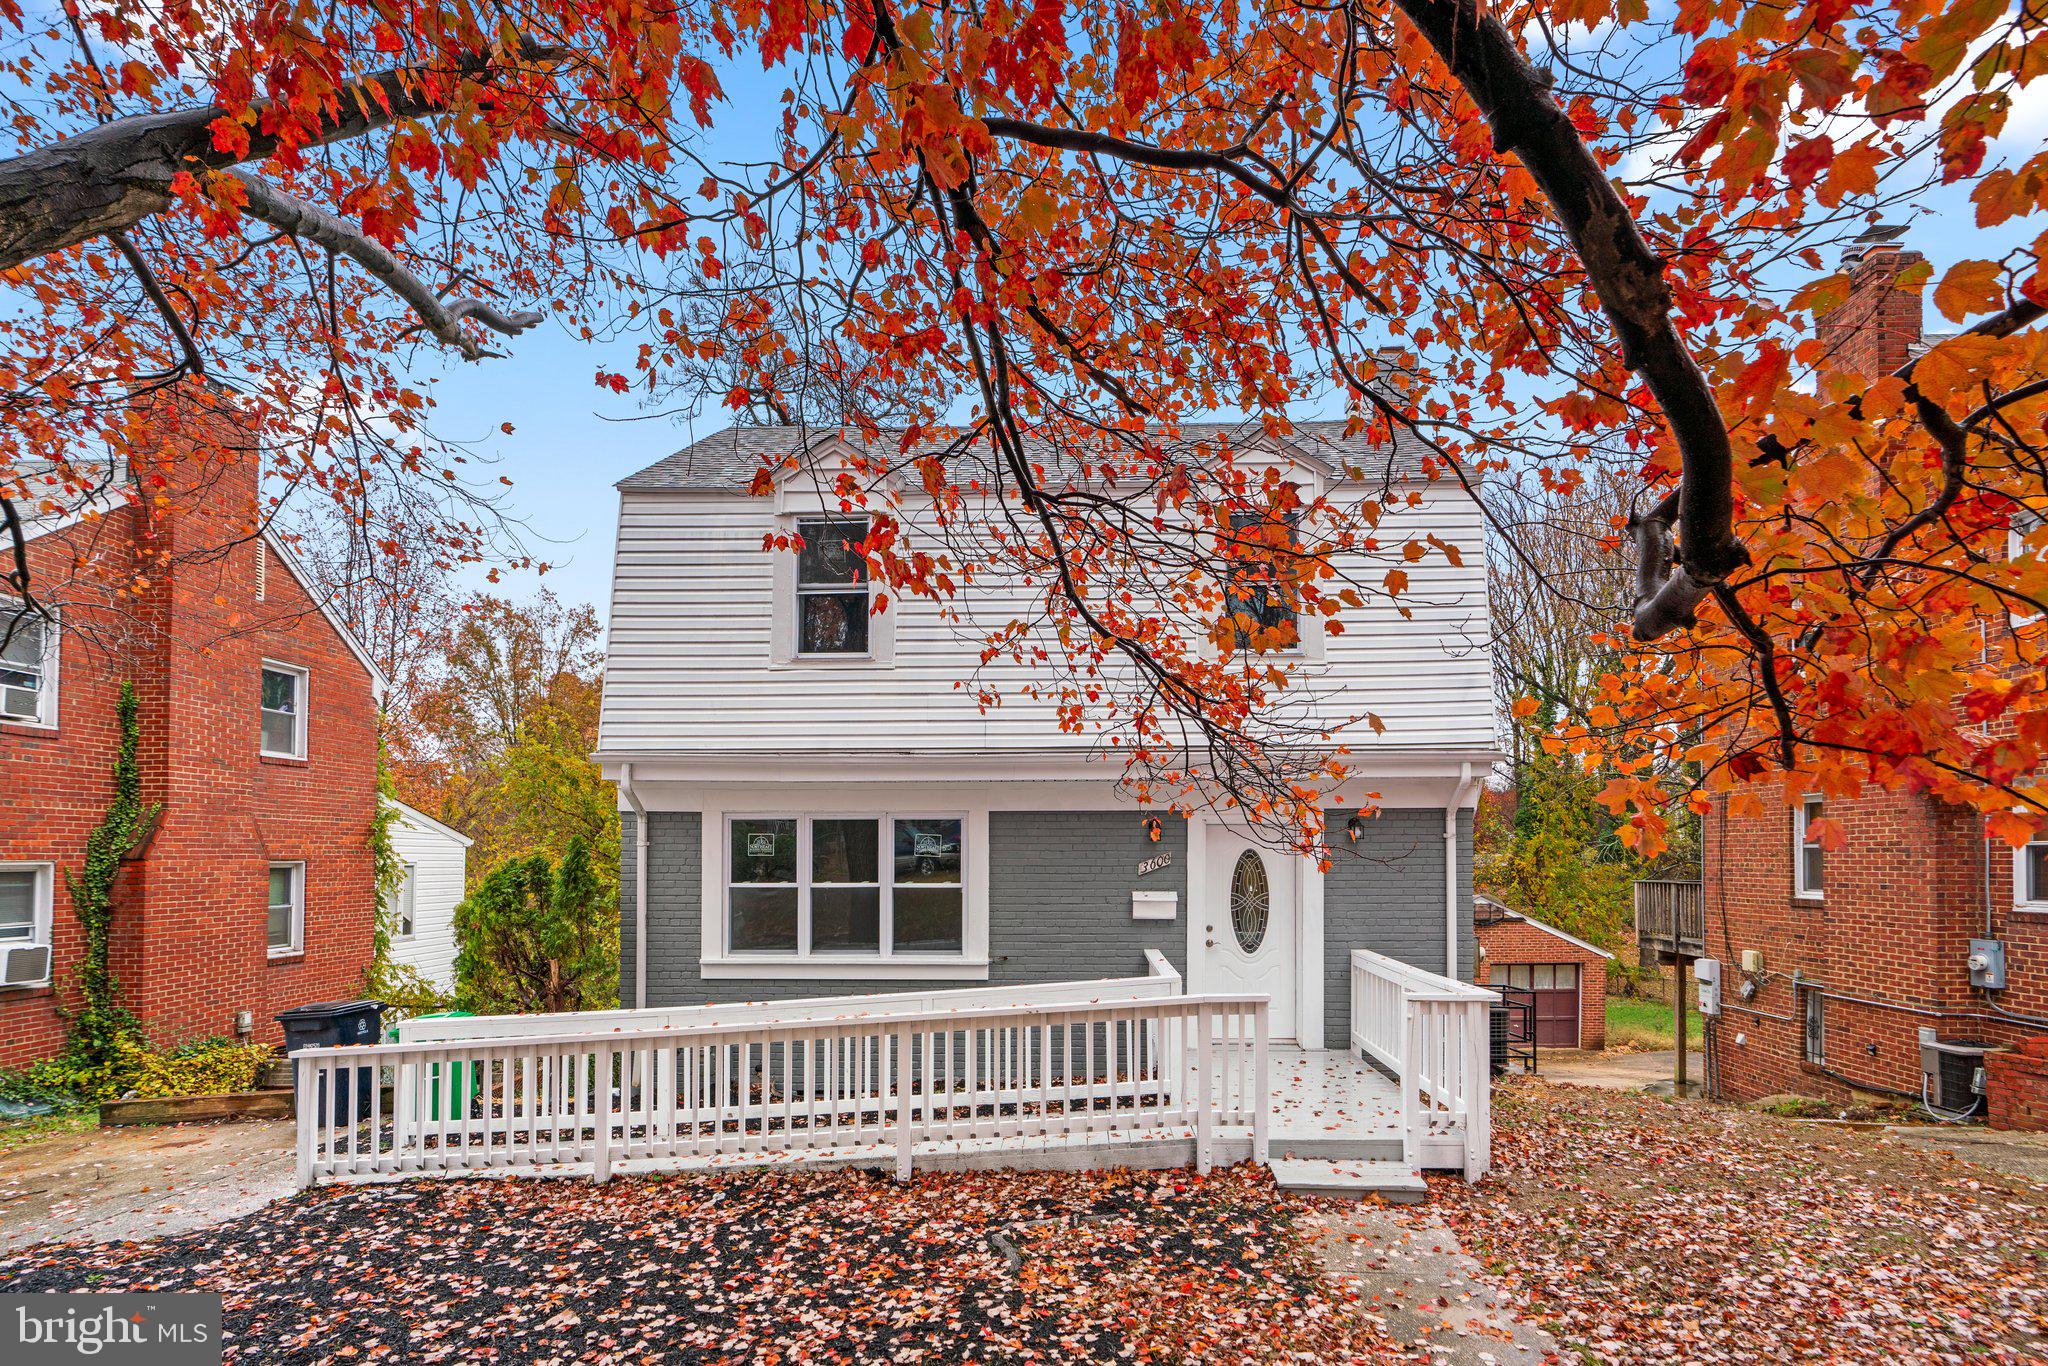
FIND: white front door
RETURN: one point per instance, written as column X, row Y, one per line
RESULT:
column 1248, row 925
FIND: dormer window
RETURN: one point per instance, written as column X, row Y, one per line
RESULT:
column 831, row 587
column 1257, row 599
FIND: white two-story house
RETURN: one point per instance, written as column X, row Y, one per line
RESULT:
column 814, row 807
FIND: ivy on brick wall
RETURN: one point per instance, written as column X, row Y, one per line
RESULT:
column 100, row 1024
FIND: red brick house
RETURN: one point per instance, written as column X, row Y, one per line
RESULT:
column 253, row 891
column 1565, row 976
column 1833, row 960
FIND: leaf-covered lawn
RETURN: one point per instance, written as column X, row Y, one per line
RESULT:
column 1643, row 1229
column 758, row 1268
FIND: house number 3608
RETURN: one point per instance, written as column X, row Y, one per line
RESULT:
column 1154, row 864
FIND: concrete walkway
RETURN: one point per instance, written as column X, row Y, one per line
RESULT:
column 1611, row 1071
column 1410, row 1271
column 104, row 1185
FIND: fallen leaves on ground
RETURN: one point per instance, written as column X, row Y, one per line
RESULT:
column 1646, row 1229
column 757, row 1267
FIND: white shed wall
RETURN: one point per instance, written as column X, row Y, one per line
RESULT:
column 441, row 867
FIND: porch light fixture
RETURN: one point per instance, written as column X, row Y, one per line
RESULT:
column 1353, row 828
column 1153, row 829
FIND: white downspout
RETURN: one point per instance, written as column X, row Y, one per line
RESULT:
column 1454, row 914
column 632, row 797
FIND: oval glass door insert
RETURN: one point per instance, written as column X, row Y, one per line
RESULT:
column 1250, row 901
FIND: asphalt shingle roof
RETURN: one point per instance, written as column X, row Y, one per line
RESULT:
column 727, row 461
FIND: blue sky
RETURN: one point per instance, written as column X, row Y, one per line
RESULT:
column 571, row 441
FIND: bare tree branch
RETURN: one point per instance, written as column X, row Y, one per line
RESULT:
column 293, row 215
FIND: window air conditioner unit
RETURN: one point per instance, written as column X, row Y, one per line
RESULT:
column 25, row 965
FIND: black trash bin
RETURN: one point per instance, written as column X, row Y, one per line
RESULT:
column 324, row 1024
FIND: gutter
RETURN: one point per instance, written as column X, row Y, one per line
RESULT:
column 632, row 797
column 1463, row 792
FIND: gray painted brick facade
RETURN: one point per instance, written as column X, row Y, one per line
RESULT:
column 1386, row 893
column 1060, row 885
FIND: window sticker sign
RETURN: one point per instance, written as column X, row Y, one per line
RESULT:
column 760, row 846
column 923, row 844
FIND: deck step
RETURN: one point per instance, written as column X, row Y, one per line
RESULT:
column 1335, row 1147
column 1393, row 1182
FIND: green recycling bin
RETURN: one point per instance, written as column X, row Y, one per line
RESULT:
column 460, row 1084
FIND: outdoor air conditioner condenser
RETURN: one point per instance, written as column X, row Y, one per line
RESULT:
column 1952, row 1071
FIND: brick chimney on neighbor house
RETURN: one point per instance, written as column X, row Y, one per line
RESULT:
column 1877, row 328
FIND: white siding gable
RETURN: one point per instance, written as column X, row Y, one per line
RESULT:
column 695, row 663
column 439, row 859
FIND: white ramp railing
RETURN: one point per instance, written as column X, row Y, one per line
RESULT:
column 892, row 1088
column 1161, row 979
column 1432, row 1035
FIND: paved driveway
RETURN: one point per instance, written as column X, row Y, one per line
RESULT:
column 101, row 1185
column 1611, row 1071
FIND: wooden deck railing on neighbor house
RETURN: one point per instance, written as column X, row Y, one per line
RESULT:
column 1671, row 921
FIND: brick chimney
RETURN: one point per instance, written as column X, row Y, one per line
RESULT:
column 1877, row 328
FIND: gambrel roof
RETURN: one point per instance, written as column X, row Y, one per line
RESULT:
column 727, row 461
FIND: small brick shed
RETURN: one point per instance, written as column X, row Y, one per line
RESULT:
column 1567, row 976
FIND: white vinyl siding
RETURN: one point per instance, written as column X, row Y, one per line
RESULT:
column 438, row 860
column 693, row 661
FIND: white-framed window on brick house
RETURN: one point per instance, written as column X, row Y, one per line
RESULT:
column 2030, row 876
column 832, row 591
column 848, row 890
column 28, row 665
column 1809, row 860
column 26, row 890
column 2025, row 523
column 1813, row 1024
column 283, row 706
column 286, row 926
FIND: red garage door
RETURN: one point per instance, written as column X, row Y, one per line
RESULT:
column 1556, row 989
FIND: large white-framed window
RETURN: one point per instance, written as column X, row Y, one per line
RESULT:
column 832, row 592
column 2030, row 876
column 1809, row 860
column 283, row 707
column 26, row 891
column 404, row 925
column 844, row 893
column 28, row 666
column 287, row 916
